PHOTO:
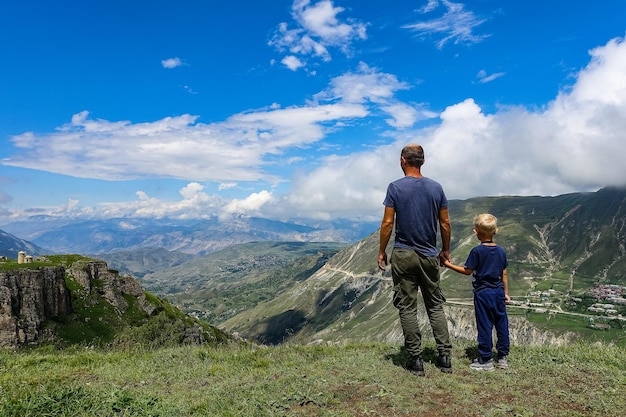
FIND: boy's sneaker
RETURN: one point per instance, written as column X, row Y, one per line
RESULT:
column 416, row 366
column 482, row 366
column 502, row 363
column 444, row 363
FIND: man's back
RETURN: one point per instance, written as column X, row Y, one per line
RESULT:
column 417, row 202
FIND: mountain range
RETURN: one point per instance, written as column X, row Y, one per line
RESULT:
column 10, row 246
column 558, row 248
column 192, row 237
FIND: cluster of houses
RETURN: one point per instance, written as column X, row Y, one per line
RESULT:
column 609, row 293
column 603, row 308
column 542, row 298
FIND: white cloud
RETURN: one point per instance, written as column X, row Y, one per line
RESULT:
column 292, row 62
column 71, row 203
column 195, row 204
column 249, row 205
column 318, row 28
column 171, row 63
column 366, row 84
column 455, row 25
column 404, row 115
column 226, row 185
column 483, row 77
column 176, row 147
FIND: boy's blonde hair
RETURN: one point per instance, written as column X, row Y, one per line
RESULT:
column 486, row 223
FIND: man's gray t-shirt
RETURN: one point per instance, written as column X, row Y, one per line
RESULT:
column 416, row 202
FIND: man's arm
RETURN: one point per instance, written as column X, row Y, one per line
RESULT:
column 386, row 227
column 446, row 232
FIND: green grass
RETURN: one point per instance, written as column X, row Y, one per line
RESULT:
column 291, row 380
column 50, row 260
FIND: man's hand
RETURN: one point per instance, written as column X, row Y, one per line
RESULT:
column 444, row 255
column 382, row 261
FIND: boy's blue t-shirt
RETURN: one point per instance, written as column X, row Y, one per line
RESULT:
column 487, row 264
column 416, row 202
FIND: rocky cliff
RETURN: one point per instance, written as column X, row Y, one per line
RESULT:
column 111, row 285
column 29, row 297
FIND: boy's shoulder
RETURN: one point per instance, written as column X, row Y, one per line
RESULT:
column 480, row 246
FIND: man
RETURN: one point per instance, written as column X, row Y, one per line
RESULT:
column 418, row 205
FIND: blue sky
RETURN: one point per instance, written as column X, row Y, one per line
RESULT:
column 299, row 108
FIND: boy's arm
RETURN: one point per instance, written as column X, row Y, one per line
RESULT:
column 505, row 282
column 457, row 268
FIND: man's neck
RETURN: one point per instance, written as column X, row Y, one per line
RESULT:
column 413, row 172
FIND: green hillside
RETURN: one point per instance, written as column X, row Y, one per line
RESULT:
column 217, row 286
column 356, row 380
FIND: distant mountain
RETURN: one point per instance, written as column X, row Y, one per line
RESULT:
column 139, row 262
column 194, row 237
column 11, row 245
column 216, row 286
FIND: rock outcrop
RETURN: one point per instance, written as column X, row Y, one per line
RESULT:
column 113, row 286
column 29, row 297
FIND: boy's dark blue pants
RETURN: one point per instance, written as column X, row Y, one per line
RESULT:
column 490, row 309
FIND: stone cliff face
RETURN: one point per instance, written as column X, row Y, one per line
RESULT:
column 113, row 285
column 29, row 297
column 462, row 325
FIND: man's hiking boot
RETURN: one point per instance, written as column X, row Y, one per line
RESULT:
column 477, row 365
column 444, row 363
column 416, row 366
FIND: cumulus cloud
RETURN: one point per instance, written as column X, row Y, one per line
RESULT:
column 249, row 205
column 292, row 62
column 317, row 29
column 456, row 25
column 194, row 204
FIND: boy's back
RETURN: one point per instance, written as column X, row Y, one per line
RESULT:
column 487, row 261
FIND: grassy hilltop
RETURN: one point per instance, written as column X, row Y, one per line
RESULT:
column 289, row 380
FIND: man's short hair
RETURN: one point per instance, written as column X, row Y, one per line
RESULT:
column 413, row 154
column 486, row 223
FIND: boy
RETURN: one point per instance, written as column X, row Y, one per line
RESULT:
column 487, row 264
